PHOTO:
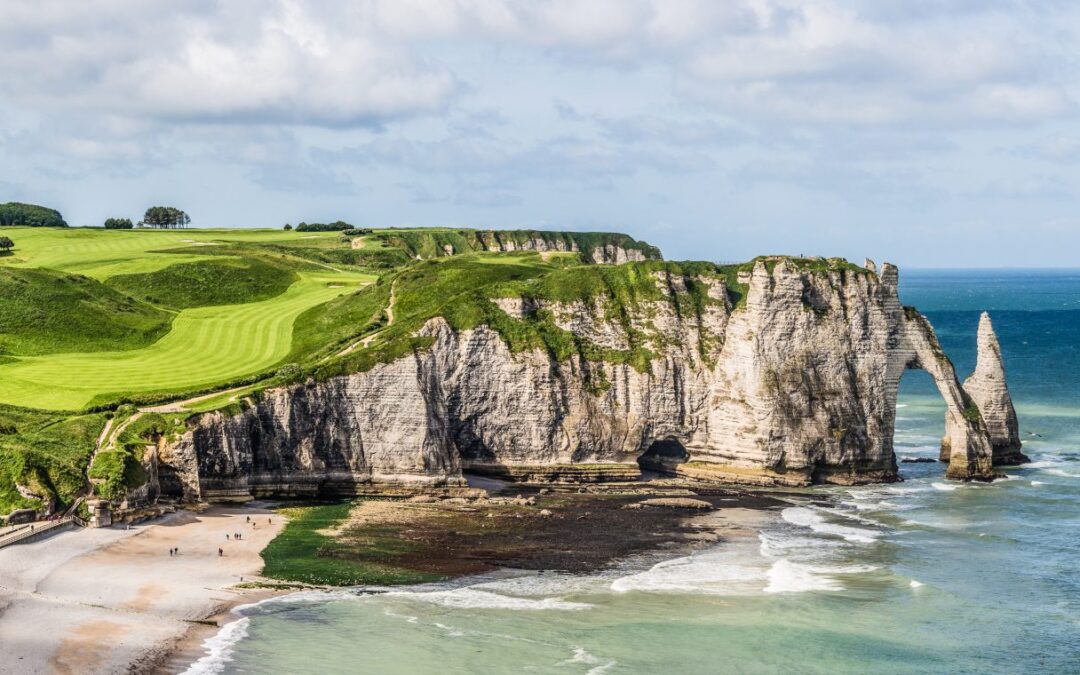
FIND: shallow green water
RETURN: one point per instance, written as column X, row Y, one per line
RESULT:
column 922, row 576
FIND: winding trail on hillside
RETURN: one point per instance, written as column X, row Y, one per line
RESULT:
column 183, row 405
column 364, row 342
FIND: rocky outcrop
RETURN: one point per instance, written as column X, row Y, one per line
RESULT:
column 798, row 386
column 988, row 390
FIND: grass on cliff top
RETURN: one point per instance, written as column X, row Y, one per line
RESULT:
column 461, row 290
column 304, row 552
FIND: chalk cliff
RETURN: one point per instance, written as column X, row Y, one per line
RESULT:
column 785, row 374
column 988, row 390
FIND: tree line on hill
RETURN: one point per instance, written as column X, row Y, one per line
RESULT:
column 159, row 217
column 336, row 226
column 17, row 214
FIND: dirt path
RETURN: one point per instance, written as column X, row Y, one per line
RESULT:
column 389, row 322
column 180, row 406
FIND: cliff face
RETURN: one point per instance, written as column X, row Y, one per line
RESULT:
column 796, row 387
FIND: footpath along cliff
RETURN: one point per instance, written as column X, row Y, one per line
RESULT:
column 784, row 374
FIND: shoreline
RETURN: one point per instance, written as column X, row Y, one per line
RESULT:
column 595, row 529
column 114, row 599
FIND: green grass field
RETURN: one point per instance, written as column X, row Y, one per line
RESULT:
column 206, row 345
column 94, row 316
column 101, row 254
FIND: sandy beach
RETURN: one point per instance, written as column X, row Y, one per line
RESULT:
column 114, row 601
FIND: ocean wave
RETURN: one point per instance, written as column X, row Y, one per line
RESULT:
column 472, row 598
column 944, row 487
column 1061, row 472
column 582, row 655
column 450, row 630
column 806, row 517
column 219, row 648
column 734, row 571
column 788, row 577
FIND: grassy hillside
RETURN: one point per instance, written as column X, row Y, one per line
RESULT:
column 208, row 282
column 46, row 312
column 206, row 346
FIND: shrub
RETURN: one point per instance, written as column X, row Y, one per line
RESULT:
column 119, row 224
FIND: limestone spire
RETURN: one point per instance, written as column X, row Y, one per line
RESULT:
column 987, row 388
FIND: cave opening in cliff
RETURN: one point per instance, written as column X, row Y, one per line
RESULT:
column 662, row 457
column 920, row 419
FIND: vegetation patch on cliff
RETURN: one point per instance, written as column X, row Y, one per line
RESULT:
column 45, row 455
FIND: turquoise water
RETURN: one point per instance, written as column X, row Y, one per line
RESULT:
column 925, row 576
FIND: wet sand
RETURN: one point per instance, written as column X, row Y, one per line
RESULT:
column 114, row 601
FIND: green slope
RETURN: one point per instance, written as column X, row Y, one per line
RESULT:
column 206, row 346
column 227, row 281
column 45, row 312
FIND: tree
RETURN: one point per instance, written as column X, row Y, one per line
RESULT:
column 288, row 227
column 336, row 226
column 118, row 224
column 165, row 218
column 30, row 215
column 6, row 244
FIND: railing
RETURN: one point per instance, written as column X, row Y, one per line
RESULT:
column 24, row 534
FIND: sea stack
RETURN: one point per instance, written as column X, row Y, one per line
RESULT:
column 987, row 388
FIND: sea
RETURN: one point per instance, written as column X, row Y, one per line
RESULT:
column 922, row 576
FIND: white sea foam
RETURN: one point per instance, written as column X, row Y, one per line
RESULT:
column 581, row 655
column 723, row 571
column 450, row 630
column 219, row 648
column 805, row 517
column 944, row 487
column 1037, row 483
column 472, row 598
column 408, row 617
column 1062, row 473
column 915, row 584
column 788, row 577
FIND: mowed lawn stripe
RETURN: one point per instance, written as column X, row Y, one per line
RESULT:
column 206, row 345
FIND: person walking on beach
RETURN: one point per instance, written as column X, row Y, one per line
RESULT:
column 170, row 552
column 226, row 536
column 247, row 519
column 220, row 552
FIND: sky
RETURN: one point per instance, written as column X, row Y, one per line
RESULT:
column 926, row 133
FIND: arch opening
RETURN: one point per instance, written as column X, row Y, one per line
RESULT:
column 919, row 425
column 662, row 458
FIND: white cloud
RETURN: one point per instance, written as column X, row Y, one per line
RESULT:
column 287, row 62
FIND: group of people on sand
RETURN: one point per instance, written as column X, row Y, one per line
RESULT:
column 236, row 536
